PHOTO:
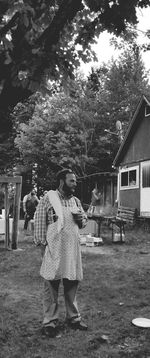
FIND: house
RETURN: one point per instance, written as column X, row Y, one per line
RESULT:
column 133, row 162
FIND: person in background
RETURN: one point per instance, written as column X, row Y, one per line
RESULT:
column 30, row 202
column 95, row 199
column 94, row 209
column 44, row 193
column 58, row 218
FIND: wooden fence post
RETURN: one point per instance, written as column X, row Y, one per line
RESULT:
column 5, row 180
column 112, row 191
column 7, row 240
column 16, row 216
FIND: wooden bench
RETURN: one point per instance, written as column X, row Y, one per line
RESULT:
column 124, row 216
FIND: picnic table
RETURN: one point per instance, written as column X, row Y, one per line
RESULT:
column 99, row 218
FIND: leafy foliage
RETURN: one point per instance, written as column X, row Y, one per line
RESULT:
column 46, row 39
column 121, row 85
column 61, row 130
column 42, row 36
column 68, row 128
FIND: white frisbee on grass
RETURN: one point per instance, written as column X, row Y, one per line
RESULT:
column 141, row 322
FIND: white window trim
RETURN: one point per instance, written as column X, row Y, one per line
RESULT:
column 129, row 187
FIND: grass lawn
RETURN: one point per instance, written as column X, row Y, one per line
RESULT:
column 115, row 289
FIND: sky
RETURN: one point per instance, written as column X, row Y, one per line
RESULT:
column 105, row 52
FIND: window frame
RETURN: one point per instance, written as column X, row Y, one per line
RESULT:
column 128, row 170
column 146, row 110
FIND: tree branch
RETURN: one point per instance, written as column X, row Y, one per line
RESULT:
column 64, row 15
column 8, row 26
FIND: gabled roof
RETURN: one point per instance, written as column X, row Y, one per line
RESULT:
column 130, row 132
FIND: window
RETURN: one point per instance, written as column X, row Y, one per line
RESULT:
column 124, row 179
column 147, row 110
column 129, row 178
column 132, row 177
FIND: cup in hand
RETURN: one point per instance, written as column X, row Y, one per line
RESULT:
column 77, row 215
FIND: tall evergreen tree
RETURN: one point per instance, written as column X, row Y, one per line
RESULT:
column 118, row 88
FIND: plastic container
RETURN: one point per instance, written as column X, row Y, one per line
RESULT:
column 90, row 240
column 117, row 237
column 93, row 241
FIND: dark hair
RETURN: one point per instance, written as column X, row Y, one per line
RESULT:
column 62, row 174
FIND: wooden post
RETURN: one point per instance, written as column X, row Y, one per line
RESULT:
column 16, row 216
column 104, row 192
column 18, row 181
column 112, row 191
column 7, row 240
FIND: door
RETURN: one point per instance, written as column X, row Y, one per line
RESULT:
column 145, row 189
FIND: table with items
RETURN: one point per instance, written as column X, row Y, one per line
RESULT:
column 99, row 218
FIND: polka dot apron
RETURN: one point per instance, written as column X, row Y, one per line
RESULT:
column 62, row 258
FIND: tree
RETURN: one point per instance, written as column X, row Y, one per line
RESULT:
column 68, row 129
column 9, row 155
column 42, row 35
column 119, row 87
column 61, row 131
column 38, row 41
column 126, row 83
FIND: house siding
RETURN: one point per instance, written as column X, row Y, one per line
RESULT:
column 139, row 148
column 134, row 150
column 130, row 198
